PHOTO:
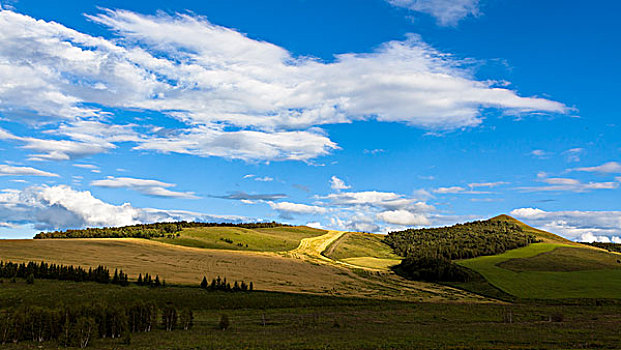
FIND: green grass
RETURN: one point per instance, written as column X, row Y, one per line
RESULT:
column 564, row 259
column 359, row 245
column 262, row 320
column 601, row 283
column 263, row 239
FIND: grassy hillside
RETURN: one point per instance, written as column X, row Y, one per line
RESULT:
column 187, row 265
column 540, row 234
column 363, row 249
column 236, row 238
column 550, row 271
column 262, row 320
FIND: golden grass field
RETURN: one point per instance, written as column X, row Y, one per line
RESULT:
column 275, row 271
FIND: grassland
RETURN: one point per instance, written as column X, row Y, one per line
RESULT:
column 262, row 320
column 267, row 270
column 236, row 238
column 363, row 249
column 523, row 272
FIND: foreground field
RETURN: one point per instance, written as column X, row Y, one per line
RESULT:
column 551, row 271
column 261, row 320
column 267, row 270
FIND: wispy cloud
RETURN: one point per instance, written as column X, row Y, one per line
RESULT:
column 9, row 170
column 252, row 197
column 568, row 184
column 145, row 186
column 446, row 12
column 610, row 167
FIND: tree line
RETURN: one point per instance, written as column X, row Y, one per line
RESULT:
column 429, row 252
column 101, row 274
column 611, row 247
column 222, row 285
column 79, row 325
column 160, row 229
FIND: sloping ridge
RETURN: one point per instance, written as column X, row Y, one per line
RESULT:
column 545, row 236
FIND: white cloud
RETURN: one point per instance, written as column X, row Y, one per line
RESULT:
column 446, row 190
column 264, row 179
column 446, row 12
column 297, row 208
column 539, row 153
column 403, row 217
column 9, row 170
column 145, row 186
column 60, row 207
column 338, row 184
column 575, row 225
column 487, row 184
column 559, row 184
column 237, row 98
column 86, row 166
column 574, row 154
column 610, row 167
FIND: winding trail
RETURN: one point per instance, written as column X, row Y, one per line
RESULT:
column 311, row 249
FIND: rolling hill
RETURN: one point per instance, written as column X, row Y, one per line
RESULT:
column 555, row 268
column 508, row 259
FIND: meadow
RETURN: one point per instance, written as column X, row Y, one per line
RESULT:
column 551, row 271
column 271, row 239
column 270, row 320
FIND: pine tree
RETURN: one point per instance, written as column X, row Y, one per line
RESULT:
column 139, row 282
column 204, row 283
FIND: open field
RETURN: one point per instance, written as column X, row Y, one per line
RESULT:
column 565, row 259
column 362, row 249
column 236, row 238
column 261, row 320
column 268, row 270
column 515, row 272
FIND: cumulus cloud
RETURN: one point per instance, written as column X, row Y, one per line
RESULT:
column 145, row 186
column 235, row 97
column 8, row 170
column 61, row 207
column 338, row 184
column 576, row 225
column 610, row 167
column 446, row 12
column 403, row 217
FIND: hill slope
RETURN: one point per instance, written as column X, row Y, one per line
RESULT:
column 556, row 268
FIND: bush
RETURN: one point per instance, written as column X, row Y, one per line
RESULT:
column 224, row 323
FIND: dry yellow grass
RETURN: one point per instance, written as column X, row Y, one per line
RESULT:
column 186, row 265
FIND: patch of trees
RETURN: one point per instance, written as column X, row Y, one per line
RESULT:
column 80, row 325
column 221, row 284
column 42, row 270
column 428, row 252
column 611, row 247
column 161, row 229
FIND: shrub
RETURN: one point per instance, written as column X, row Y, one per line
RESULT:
column 224, row 323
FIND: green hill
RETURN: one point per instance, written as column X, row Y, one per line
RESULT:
column 555, row 268
column 270, row 239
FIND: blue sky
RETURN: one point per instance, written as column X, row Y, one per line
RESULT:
column 367, row 115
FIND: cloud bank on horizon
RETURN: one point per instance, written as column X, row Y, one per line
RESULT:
column 182, row 86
